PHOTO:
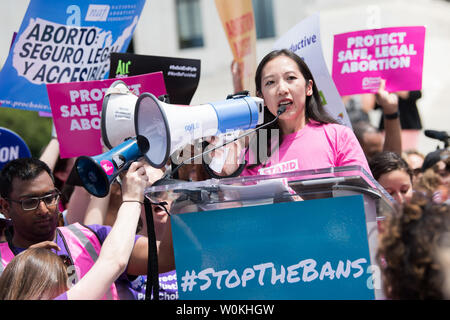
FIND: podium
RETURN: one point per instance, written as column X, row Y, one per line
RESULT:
column 297, row 235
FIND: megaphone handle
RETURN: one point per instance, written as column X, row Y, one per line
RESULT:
column 233, row 175
column 125, row 167
column 217, row 163
column 214, row 175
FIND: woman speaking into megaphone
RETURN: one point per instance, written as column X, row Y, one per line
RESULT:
column 301, row 136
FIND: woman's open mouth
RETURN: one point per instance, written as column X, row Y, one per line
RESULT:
column 286, row 104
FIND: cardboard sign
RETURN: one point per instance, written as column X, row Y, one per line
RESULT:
column 180, row 75
column 316, row 249
column 362, row 58
column 62, row 41
column 239, row 25
column 304, row 40
column 76, row 109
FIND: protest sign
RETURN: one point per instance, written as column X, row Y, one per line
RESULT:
column 317, row 249
column 59, row 42
column 304, row 40
column 181, row 75
column 362, row 58
column 12, row 147
column 76, row 109
column 239, row 25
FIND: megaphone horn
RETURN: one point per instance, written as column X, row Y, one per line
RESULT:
column 170, row 127
column 118, row 111
column 98, row 172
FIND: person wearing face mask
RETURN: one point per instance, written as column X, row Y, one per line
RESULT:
column 303, row 137
column 394, row 175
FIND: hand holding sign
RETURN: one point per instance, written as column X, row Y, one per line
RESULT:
column 388, row 101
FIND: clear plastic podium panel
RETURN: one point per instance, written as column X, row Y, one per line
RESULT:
column 216, row 194
column 219, row 224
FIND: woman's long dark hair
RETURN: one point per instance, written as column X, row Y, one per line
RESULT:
column 314, row 109
column 387, row 161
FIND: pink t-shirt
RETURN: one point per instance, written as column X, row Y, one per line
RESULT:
column 315, row 146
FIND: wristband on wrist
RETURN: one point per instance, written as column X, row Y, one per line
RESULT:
column 392, row 116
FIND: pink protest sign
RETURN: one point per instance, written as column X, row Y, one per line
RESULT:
column 362, row 58
column 76, row 109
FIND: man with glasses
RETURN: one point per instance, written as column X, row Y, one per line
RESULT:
column 29, row 198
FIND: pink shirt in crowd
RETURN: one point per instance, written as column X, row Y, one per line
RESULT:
column 315, row 146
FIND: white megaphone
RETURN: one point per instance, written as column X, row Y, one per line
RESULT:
column 170, row 127
column 118, row 110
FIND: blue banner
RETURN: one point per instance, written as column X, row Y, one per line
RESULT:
column 64, row 41
column 315, row 249
column 12, row 146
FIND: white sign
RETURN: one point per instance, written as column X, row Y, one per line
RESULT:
column 304, row 40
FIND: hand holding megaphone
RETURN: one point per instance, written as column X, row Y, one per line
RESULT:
column 134, row 182
column 224, row 161
column 216, row 168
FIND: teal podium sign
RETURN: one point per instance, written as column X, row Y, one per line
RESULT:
column 315, row 249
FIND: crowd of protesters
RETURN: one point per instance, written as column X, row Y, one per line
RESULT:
column 105, row 239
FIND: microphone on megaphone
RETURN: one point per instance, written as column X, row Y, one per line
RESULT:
column 170, row 127
column 98, row 172
column 439, row 135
